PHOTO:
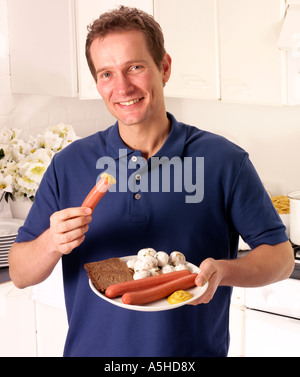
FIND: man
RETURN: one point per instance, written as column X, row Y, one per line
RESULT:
column 127, row 59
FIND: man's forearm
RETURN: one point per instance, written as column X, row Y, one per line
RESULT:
column 264, row 265
column 32, row 262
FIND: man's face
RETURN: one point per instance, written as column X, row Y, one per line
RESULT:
column 128, row 79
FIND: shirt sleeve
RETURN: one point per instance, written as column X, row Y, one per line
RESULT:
column 45, row 204
column 252, row 211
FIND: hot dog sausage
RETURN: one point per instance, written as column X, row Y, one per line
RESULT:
column 136, row 285
column 98, row 191
column 156, row 293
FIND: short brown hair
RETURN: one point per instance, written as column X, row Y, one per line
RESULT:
column 126, row 19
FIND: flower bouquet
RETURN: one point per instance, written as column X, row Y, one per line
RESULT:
column 23, row 163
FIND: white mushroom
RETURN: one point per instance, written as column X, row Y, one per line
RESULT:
column 162, row 258
column 176, row 257
column 145, row 252
column 180, row 267
column 167, row 268
column 131, row 263
column 145, row 263
column 155, row 271
column 141, row 274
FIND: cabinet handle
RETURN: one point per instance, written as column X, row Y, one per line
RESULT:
column 195, row 82
column 236, row 86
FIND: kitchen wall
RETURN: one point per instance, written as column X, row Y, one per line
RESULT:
column 270, row 134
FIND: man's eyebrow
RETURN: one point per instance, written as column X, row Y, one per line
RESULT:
column 129, row 62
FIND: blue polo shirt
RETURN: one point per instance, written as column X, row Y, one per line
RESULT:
column 200, row 209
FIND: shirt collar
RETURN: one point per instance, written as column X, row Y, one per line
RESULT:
column 173, row 146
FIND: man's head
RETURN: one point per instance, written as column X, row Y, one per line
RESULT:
column 127, row 19
column 127, row 58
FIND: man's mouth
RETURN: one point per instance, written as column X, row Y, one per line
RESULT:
column 130, row 103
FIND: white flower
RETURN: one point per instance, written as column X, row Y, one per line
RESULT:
column 23, row 163
column 30, row 171
column 8, row 135
column 5, row 184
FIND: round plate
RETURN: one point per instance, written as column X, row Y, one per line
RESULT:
column 10, row 227
column 156, row 305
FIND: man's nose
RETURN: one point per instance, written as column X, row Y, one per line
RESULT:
column 123, row 85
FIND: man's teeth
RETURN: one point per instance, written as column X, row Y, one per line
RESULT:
column 132, row 102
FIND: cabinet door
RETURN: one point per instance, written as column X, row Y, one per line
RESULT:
column 251, row 63
column 269, row 335
column 17, row 322
column 87, row 12
column 42, row 47
column 190, row 34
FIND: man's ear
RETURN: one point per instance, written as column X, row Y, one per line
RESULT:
column 166, row 68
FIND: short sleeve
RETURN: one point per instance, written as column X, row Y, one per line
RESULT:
column 252, row 211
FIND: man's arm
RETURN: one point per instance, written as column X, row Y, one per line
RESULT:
column 263, row 265
column 32, row 262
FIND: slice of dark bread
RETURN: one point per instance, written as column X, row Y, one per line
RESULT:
column 108, row 272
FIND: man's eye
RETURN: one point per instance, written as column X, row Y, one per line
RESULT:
column 106, row 75
column 136, row 68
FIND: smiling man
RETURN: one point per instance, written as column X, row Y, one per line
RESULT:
column 131, row 84
column 126, row 55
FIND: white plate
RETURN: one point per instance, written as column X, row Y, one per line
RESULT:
column 9, row 227
column 156, row 305
column 6, row 244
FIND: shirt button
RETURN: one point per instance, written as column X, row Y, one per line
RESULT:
column 137, row 196
column 134, row 159
column 138, row 177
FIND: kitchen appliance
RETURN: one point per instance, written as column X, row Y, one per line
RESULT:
column 272, row 325
column 295, row 217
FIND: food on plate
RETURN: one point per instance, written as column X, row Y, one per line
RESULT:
column 167, row 269
column 108, row 272
column 145, row 263
column 148, row 282
column 160, row 291
column 98, row 191
column 141, row 274
column 145, row 252
column 179, row 296
column 162, row 258
column 281, row 204
column 176, row 257
column 156, row 263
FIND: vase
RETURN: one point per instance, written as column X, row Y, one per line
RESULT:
column 5, row 212
column 20, row 208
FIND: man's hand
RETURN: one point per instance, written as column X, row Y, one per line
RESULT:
column 264, row 265
column 210, row 270
column 68, row 227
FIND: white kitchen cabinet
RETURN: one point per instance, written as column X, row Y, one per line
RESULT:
column 87, row 11
column 52, row 328
column 191, row 39
column 47, row 44
column 17, row 322
column 269, row 335
column 252, row 67
column 237, row 323
column 42, row 47
column 221, row 49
